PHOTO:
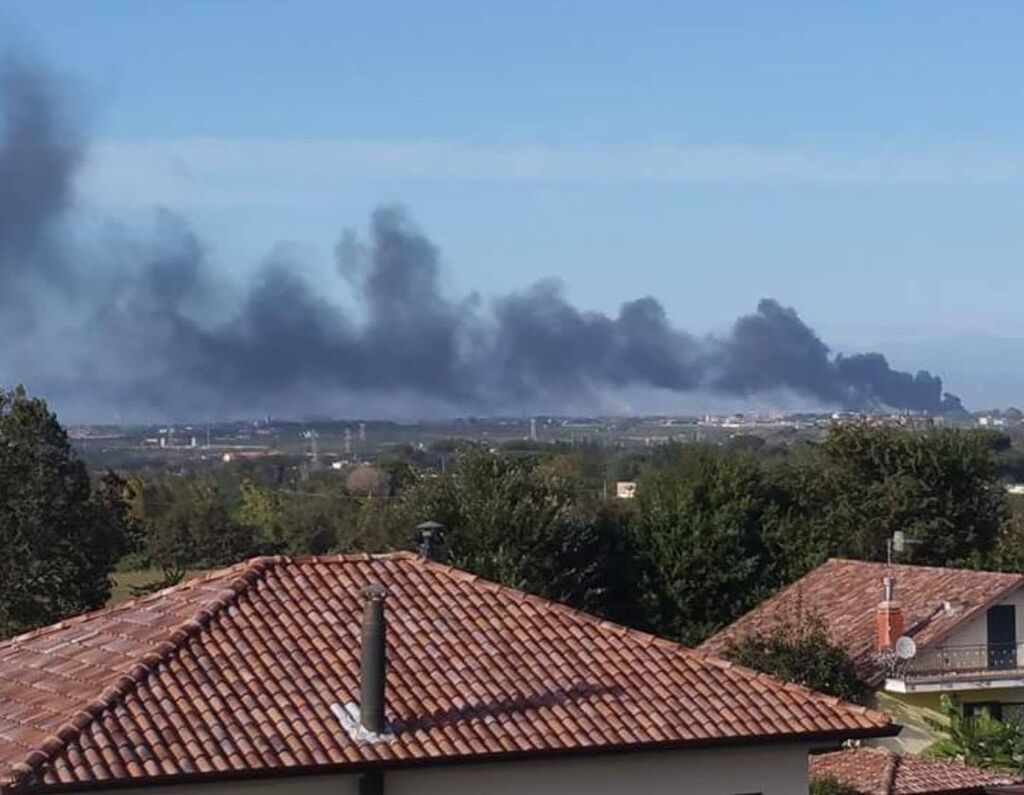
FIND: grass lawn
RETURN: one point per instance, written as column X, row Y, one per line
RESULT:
column 124, row 580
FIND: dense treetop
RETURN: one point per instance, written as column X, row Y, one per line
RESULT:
column 714, row 529
column 60, row 536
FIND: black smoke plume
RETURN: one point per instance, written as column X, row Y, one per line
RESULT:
column 156, row 328
column 38, row 157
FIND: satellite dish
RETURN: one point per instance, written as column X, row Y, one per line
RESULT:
column 905, row 647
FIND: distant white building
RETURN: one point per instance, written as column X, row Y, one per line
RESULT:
column 625, row 489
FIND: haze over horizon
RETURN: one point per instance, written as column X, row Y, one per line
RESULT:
column 186, row 249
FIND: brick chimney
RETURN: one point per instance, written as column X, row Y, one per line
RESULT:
column 888, row 617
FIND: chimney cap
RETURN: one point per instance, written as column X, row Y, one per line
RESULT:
column 431, row 540
column 430, row 524
column 373, row 590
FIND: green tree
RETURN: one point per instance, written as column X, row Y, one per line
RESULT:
column 399, row 474
column 1010, row 547
column 60, row 538
column 978, row 740
column 828, row 785
column 189, row 523
column 511, row 520
column 702, row 527
column 800, row 651
column 720, row 529
column 260, row 507
column 940, row 487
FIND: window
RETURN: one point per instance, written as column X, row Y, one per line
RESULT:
column 991, row 708
column 1006, row 711
column 1013, row 713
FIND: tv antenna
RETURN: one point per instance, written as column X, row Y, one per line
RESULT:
column 898, row 543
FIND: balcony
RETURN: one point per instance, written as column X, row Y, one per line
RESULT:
column 968, row 667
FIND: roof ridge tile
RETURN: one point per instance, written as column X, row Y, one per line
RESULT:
column 881, row 564
column 254, row 569
column 244, row 568
column 892, row 766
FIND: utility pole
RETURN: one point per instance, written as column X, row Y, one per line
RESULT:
column 314, row 449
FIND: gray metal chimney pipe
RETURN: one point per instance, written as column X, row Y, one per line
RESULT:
column 374, row 661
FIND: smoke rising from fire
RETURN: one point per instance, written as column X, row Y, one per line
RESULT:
column 156, row 328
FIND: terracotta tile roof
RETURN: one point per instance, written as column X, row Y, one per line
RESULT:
column 237, row 672
column 845, row 593
column 879, row 771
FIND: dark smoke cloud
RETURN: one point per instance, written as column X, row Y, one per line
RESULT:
column 38, row 157
column 158, row 328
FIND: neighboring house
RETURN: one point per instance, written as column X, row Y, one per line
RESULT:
column 625, row 489
column 393, row 674
column 879, row 771
column 967, row 627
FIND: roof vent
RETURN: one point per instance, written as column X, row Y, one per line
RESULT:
column 374, row 663
column 952, row 606
column 365, row 721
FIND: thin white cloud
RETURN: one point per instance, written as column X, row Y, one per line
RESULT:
column 253, row 171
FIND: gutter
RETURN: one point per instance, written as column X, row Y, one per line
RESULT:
column 372, row 773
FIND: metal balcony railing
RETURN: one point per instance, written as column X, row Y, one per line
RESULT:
column 980, row 658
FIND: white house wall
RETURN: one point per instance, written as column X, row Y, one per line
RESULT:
column 770, row 770
column 975, row 631
column 777, row 770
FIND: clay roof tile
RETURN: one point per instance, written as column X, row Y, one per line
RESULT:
column 879, row 771
column 238, row 670
column 845, row 595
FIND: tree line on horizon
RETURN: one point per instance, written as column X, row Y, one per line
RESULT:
column 713, row 530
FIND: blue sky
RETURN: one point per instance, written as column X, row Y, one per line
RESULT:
column 863, row 162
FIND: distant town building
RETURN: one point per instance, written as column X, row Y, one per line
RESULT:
column 625, row 489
